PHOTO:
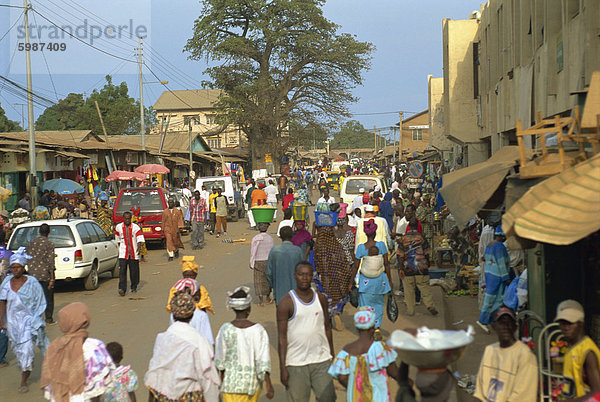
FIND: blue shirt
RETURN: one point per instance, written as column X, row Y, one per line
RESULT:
column 281, row 267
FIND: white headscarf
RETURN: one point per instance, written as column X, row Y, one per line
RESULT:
column 238, row 303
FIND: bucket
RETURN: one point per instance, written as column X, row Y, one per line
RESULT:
column 263, row 214
column 326, row 218
column 299, row 211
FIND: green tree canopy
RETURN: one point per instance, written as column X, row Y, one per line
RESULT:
column 278, row 61
column 6, row 124
column 120, row 112
column 308, row 136
column 352, row 135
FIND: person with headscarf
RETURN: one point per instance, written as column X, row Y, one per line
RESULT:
column 363, row 366
column 76, row 367
column 335, row 274
column 200, row 319
column 22, row 305
column 104, row 214
column 497, row 277
column 372, row 288
column 189, row 270
column 302, row 238
column 260, row 248
column 182, row 366
column 386, row 211
column 242, row 353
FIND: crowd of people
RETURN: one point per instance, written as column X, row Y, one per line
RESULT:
column 310, row 275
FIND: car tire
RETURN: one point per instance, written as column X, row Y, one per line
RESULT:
column 91, row 282
column 115, row 270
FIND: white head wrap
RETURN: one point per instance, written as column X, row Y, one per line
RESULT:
column 237, row 303
column 20, row 257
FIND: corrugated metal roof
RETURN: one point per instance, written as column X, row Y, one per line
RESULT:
column 188, row 99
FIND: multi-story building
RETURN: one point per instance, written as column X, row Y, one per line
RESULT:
column 196, row 108
column 415, row 133
column 510, row 60
column 437, row 133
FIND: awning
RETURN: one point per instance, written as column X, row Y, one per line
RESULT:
column 71, row 154
column 467, row 190
column 560, row 210
column 15, row 150
column 178, row 160
column 207, row 157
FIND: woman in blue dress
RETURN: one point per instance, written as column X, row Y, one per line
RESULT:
column 372, row 290
column 497, row 277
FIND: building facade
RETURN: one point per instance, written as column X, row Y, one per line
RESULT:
column 510, row 60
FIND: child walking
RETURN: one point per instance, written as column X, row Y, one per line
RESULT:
column 125, row 380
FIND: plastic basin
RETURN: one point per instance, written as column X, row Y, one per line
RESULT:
column 263, row 214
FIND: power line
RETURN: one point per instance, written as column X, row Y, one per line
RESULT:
column 82, row 41
column 375, row 113
column 13, row 25
column 23, row 89
column 11, row 6
column 165, row 85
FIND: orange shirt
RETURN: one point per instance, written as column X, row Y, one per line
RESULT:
column 258, row 194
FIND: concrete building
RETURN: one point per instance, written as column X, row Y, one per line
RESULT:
column 508, row 61
column 196, row 107
column 415, row 133
column 437, row 133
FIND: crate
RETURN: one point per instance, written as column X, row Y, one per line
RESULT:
column 326, row 218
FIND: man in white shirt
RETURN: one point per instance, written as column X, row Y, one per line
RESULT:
column 129, row 236
column 326, row 198
column 272, row 193
column 204, row 194
column 287, row 220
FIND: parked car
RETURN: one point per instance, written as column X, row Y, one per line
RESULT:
column 352, row 185
column 152, row 201
column 82, row 248
column 231, row 190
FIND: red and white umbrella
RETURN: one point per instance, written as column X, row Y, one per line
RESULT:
column 152, row 168
column 124, row 175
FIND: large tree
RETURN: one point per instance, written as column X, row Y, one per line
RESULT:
column 6, row 124
column 120, row 112
column 308, row 136
column 277, row 61
column 352, row 134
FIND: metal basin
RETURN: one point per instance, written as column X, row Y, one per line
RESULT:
column 426, row 359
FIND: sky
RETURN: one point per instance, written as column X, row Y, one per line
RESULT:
column 407, row 35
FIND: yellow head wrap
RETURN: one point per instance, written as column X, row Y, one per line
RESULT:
column 188, row 264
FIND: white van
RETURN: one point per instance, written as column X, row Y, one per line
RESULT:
column 352, row 185
column 231, row 190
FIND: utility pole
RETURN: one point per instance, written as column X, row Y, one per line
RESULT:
column 22, row 113
column 32, row 167
column 375, row 133
column 142, row 124
column 190, row 141
column 400, row 136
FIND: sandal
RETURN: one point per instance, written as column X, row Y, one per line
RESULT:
column 261, row 304
column 23, row 389
column 271, row 301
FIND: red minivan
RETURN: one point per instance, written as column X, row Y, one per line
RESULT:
column 152, row 201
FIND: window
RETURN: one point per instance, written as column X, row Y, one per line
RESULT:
column 216, row 143
column 417, row 134
column 354, row 185
column 147, row 200
column 210, row 184
column 99, row 232
column 84, row 233
column 211, row 119
column 60, row 235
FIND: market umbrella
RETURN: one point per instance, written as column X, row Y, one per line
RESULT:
column 561, row 209
column 125, row 175
column 152, row 168
column 62, row 186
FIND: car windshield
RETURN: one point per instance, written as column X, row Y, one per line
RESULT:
column 210, row 184
column 147, row 200
column 353, row 185
column 60, row 235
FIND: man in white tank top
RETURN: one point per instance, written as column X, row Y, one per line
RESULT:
column 305, row 340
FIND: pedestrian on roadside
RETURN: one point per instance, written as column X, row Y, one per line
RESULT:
column 260, row 248
column 104, row 214
column 125, row 379
column 200, row 320
column 182, row 366
column 497, row 277
column 204, row 194
column 129, row 236
column 189, row 270
column 287, row 199
column 259, row 196
column 172, row 224
column 76, row 367
column 363, row 366
column 60, row 212
column 4, row 270
column 508, row 369
column 272, row 193
column 305, row 340
column 212, row 210
column 286, row 221
column 197, row 211
column 248, row 199
column 25, row 202
column 326, row 198
column 413, row 255
column 221, row 206
column 40, row 213
column 41, row 267
column 281, row 264
column 22, row 305
column 582, row 359
column 242, row 353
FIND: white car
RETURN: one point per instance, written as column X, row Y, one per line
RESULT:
column 82, row 249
